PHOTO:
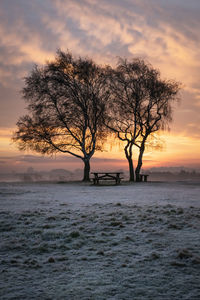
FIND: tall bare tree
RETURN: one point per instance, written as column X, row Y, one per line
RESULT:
column 127, row 91
column 155, row 111
column 140, row 104
column 66, row 105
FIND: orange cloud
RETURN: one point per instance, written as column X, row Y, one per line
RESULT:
column 28, row 49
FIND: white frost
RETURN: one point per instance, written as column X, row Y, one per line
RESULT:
column 77, row 241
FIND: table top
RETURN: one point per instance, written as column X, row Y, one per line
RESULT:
column 106, row 172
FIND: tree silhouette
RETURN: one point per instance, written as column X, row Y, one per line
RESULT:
column 140, row 104
column 66, row 105
column 155, row 111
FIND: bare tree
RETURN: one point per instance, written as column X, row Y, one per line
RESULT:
column 127, row 92
column 155, row 111
column 66, row 104
column 140, row 104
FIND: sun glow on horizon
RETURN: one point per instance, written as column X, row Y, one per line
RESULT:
column 175, row 150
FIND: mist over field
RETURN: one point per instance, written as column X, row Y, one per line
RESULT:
column 63, row 175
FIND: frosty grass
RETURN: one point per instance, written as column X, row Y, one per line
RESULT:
column 76, row 241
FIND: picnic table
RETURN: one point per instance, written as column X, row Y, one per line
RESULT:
column 104, row 176
column 143, row 177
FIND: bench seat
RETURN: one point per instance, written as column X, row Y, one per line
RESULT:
column 143, row 177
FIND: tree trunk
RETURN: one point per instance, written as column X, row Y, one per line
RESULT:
column 128, row 153
column 139, row 165
column 86, row 176
column 131, row 169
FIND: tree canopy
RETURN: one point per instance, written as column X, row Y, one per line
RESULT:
column 140, row 104
column 66, row 106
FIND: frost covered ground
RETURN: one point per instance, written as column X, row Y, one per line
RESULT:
column 76, row 241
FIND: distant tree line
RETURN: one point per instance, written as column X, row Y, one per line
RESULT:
column 74, row 105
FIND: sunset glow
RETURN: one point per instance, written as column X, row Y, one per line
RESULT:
column 165, row 33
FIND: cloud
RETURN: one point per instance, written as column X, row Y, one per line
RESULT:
column 23, row 47
column 58, row 158
column 166, row 33
column 151, row 29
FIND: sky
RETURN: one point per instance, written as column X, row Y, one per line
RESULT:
column 165, row 33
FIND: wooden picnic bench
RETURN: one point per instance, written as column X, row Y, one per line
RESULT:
column 104, row 176
column 143, row 177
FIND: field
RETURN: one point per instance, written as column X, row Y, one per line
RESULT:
column 78, row 241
